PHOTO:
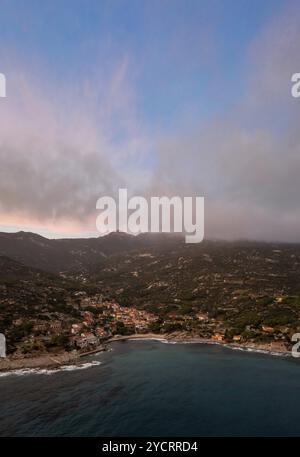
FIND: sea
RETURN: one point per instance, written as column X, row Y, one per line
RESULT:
column 151, row 388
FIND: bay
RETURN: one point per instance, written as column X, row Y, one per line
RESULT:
column 147, row 388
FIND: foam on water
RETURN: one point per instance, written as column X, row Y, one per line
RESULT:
column 258, row 351
column 46, row 371
column 161, row 340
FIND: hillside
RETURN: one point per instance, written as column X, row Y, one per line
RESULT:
column 238, row 291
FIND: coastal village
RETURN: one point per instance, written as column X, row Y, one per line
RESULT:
column 99, row 320
column 242, row 294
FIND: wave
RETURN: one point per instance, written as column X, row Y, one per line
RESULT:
column 257, row 350
column 50, row 371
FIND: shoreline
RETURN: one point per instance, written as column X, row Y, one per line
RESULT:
column 53, row 361
column 186, row 339
column 50, row 361
column 37, row 362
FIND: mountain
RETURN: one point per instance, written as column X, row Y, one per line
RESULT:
column 69, row 255
column 35, row 251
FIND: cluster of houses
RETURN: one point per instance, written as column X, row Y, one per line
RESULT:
column 131, row 317
column 99, row 320
column 102, row 322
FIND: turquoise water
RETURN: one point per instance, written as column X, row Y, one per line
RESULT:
column 155, row 389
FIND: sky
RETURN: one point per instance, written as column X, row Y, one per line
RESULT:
column 164, row 97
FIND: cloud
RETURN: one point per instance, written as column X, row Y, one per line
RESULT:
column 246, row 163
column 61, row 148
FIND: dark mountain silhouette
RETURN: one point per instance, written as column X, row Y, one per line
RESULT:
column 66, row 255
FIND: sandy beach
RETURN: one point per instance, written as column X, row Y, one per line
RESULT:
column 273, row 348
